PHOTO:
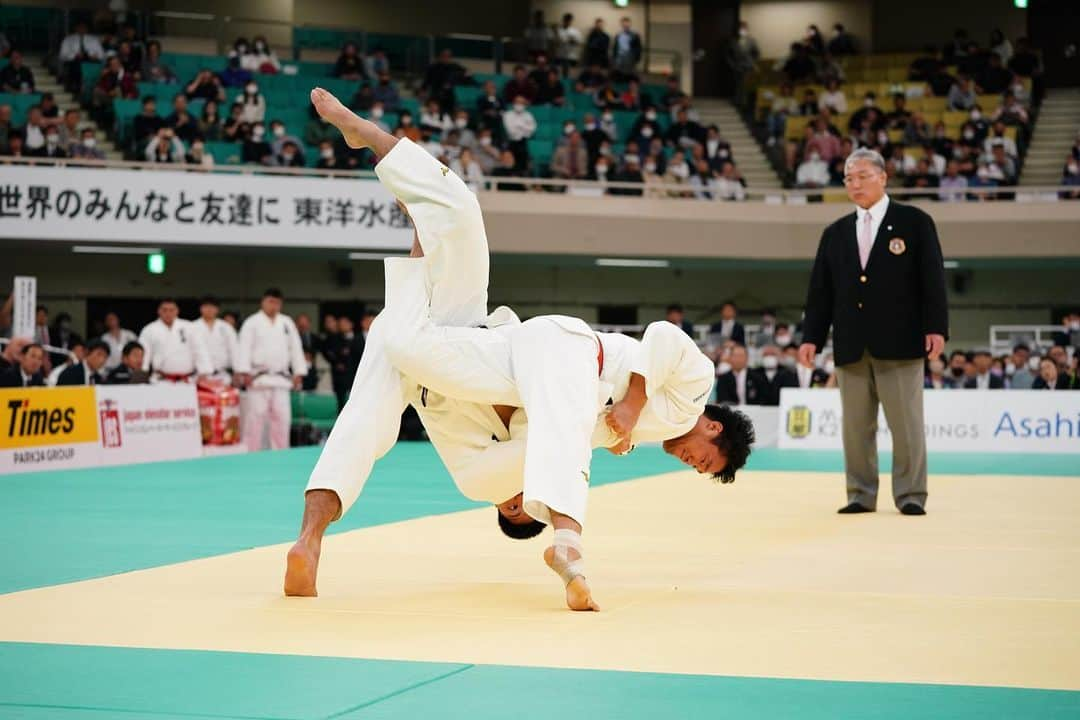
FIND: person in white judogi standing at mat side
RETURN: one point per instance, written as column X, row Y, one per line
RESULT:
column 485, row 466
column 218, row 336
column 269, row 363
column 173, row 349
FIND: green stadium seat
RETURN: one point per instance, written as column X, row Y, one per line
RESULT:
column 540, row 151
column 499, row 80
column 320, row 410
column 224, row 153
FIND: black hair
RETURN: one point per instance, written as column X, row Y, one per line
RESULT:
column 210, row 300
column 675, row 307
column 165, row 300
column 272, row 292
column 734, row 441
column 1021, row 346
column 520, row 532
column 98, row 345
column 130, row 347
column 27, row 348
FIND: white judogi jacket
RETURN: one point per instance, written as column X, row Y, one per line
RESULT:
column 174, row 350
column 270, row 351
column 221, row 343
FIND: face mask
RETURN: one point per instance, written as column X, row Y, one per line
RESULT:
column 89, row 142
column 601, row 169
column 590, row 126
column 287, row 157
column 1074, row 325
column 485, row 141
column 997, row 372
column 1033, row 363
column 680, row 171
column 257, row 133
column 724, row 367
column 259, row 47
column 650, row 115
column 327, row 153
column 969, row 134
column 830, row 367
column 788, row 362
column 868, row 102
column 1073, row 168
column 519, row 108
column 783, row 340
column 608, row 117
column 491, row 98
column 251, row 89
column 646, row 132
column 197, row 147
column 241, row 48
column 975, row 114
column 52, row 139
column 883, row 138
column 742, row 32
column 650, row 168
column 279, row 131
column 568, row 130
column 814, row 157
column 770, row 362
column 406, row 121
column 376, row 112
column 983, row 173
column 461, row 123
column 631, row 159
column 723, row 154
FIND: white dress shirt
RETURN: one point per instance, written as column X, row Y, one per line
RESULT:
column 740, row 385
column 806, row 375
column 519, row 125
column 175, row 349
column 877, row 215
column 73, row 43
column 116, row 345
column 982, row 381
column 269, row 350
column 220, row 341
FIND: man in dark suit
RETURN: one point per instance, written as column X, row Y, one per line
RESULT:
column 86, row 372
column 984, row 379
column 676, row 315
column 733, row 387
column 129, row 371
column 879, row 281
column 27, row 373
column 764, row 383
column 729, row 328
column 1051, row 377
column 343, row 350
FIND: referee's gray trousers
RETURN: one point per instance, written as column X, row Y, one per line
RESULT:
column 898, row 386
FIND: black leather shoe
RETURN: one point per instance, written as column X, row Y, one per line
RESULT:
column 912, row 509
column 852, row 508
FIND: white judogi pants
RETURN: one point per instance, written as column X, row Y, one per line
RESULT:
column 267, row 406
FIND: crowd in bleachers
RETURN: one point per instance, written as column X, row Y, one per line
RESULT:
column 753, row 366
column 944, row 119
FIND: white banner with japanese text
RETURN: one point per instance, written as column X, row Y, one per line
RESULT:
column 198, row 207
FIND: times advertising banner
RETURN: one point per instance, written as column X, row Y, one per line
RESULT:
column 1013, row 421
column 76, row 427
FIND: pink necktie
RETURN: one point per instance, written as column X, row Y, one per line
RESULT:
column 866, row 240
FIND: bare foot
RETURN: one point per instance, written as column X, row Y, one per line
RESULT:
column 341, row 117
column 302, row 564
column 578, row 596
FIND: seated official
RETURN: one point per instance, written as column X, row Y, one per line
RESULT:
column 27, row 372
column 129, row 371
column 88, row 371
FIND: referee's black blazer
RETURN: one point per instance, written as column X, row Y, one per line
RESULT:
column 888, row 308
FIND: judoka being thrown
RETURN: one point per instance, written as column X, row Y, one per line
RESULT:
column 513, row 409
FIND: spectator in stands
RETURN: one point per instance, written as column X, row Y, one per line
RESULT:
column 995, row 77
column 209, row 123
column 646, row 127
column 468, row 169
column 742, row 57
column 507, row 168
column 539, row 36
column 441, row 77
column 936, row 164
column 813, row 41
column 75, row 49
column 234, row 129
column 165, row 147
column 289, row 155
column 16, row 77
column 591, row 79
column 50, row 111
column 364, row 99
column 520, row 126
column 261, row 59
column 917, row 131
column 898, row 117
column 813, row 172
column 386, row 92
column 198, row 155
column 69, row 129
column 279, row 135
column 842, row 42
column 205, row 86
column 568, row 42
column 984, row 378
column 1069, row 334
column 729, row 184
column 834, row 98
column 328, row 160
column 626, row 52
column 1070, row 177
column 962, row 94
column 783, row 105
column 684, row 133
column 519, row 85
column 678, row 172
column 571, row 159
column 628, row 172
column 129, row 371
column 487, row 152
column 1050, row 377
column 952, row 184
column 433, row 118
column 234, row 75
column 252, row 103
column 256, row 148
column 1000, row 45
column 798, row 66
column 375, row 64
column 809, row 105
column 466, row 135
column 936, row 379
column 652, row 172
column 147, row 122
column 433, row 144
column 997, row 136
column 114, row 82
column 717, row 150
column 733, row 386
column 551, row 91
column 7, row 128
column 597, row 45
column 52, row 147
column 1011, row 112
column 153, row 69
column 539, row 74
column 676, row 315
column 61, row 335
column 1007, row 166
column 183, row 124
column 26, row 371
column 490, row 107
column 769, row 379
column 406, row 125
column 349, row 65
column 702, row 181
column 87, row 148
column 129, row 59
column 89, row 370
column 606, row 97
column 376, row 115
column 729, row 327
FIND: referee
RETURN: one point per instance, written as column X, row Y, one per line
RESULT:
column 879, row 281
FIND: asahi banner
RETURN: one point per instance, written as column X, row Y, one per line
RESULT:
column 1030, row 421
column 198, row 207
